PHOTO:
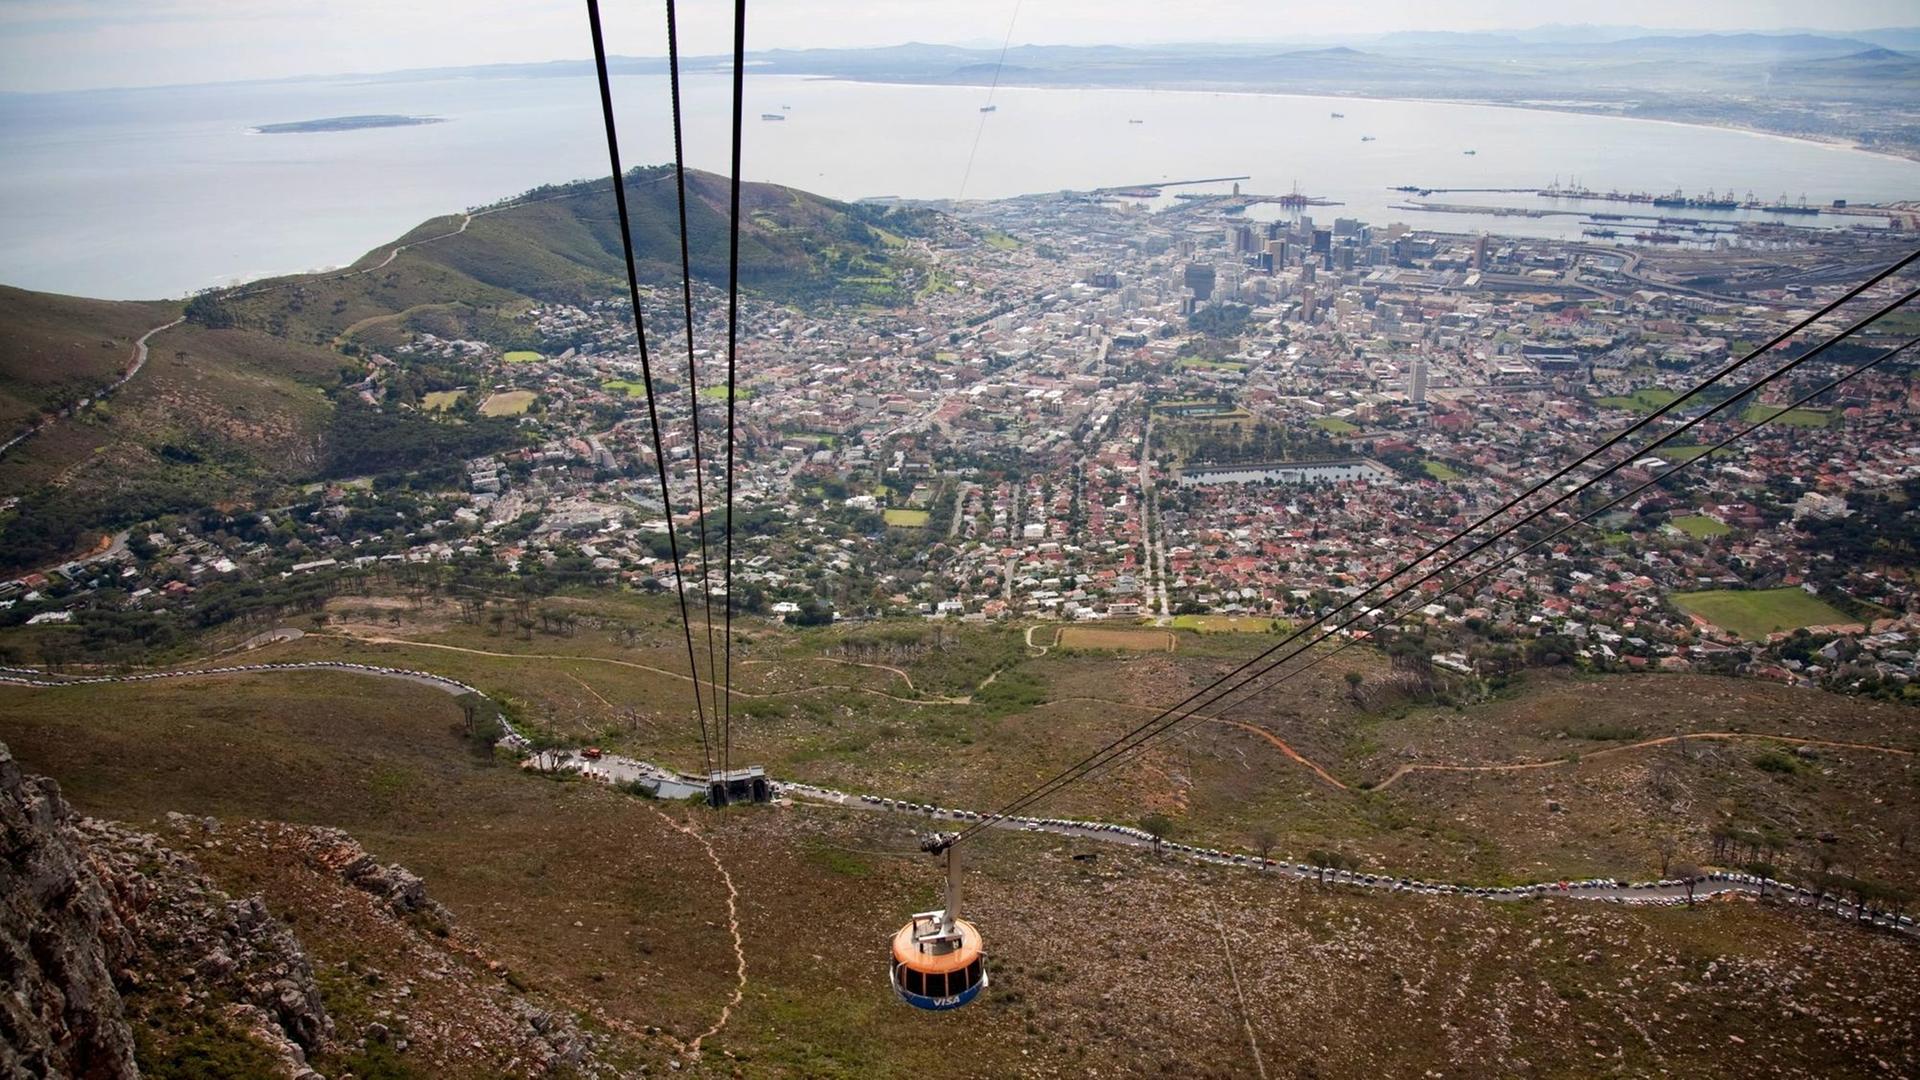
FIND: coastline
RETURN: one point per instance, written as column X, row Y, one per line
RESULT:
column 375, row 223
column 1827, row 142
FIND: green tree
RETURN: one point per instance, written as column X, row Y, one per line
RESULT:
column 1325, row 860
column 1688, row 874
column 1159, row 826
column 1264, row 838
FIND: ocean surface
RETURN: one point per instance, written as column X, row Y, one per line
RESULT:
column 145, row 193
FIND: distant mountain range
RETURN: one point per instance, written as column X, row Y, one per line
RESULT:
column 923, row 62
column 1417, row 65
column 1858, row 88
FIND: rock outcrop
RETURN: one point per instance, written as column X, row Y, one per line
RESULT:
column 63, row 941
column 401, row 889
column 118, row 951
column 92, row 912
column 222, row 954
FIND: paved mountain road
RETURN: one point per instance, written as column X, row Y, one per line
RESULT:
column 135, row 362
column 613, row 767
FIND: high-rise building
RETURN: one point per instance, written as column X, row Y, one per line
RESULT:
column 1480, row 252
column 1307, row 309
column 1199, row 278
column 1417, row 393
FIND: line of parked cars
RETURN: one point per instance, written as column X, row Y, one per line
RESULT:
column 1702, row 886
column 304, row 665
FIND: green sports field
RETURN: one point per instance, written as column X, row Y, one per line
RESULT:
column 1700, row 527
column 1227, row 624
column 1646, row 400
column 1755, row 613
column 507, row 403
column 1802, row 418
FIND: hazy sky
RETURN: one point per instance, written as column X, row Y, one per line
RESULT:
column 73, row 44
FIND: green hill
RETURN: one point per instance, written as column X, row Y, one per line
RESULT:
column 249, row 394
column 56, row 350
column 216, row 416
column 562, row 244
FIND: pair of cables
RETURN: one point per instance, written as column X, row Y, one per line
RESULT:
column 716, row 738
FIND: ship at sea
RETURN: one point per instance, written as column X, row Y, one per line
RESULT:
column 1469, row 153
column 989, row 108
column 1136, row 121
column 772, row 116
column 1366, row 138
column 1339, row 116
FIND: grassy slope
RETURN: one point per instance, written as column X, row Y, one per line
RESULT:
column 57, row 348
column 793, row 246
column 587, row 893
column 215, row 416
column 235, row 412
column 589, row 897
column 813, row 718
column 244, row 402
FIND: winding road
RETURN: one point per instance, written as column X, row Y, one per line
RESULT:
column 612, row 767
column 1664, row 740
column 667, row 672
column 137, row 361
column 1654, row 893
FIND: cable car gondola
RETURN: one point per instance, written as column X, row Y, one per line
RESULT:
column 939, row 960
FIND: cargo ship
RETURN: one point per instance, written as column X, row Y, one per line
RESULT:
column 771, row 116
column 1697, row 202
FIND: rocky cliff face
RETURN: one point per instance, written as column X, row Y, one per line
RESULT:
column 93, row 913
column 226, row 963
column 64, row 941
column 118, row 950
